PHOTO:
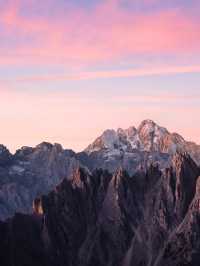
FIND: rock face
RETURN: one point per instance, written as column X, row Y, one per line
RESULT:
column 29, row 173
column 32, row 172
column 103, row 219
column 183, row 245
column 148, row 137
column 132, row 161
column 166, row 206
column 5, row 156
column 132, row 198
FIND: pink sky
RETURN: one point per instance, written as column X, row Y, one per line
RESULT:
column 71, row 69
column 80, row 35
column 75, row 120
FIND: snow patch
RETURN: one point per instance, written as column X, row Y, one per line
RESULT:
column 17, row 169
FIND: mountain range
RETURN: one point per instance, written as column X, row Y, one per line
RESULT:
column 131, row 198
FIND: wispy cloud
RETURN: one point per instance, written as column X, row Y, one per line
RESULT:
column 46, row 33
column 81, row 35
column 127, row 73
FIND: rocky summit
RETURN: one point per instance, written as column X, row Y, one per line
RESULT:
column 29, row 173
column 148, row 137
column 131, row 198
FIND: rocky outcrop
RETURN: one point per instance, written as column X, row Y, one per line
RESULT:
column 166, row 205
column 132, row 162
column 30, row 173
column 5, row 156
column 148, row 137
column 132, row 198
column 183, row 245
column 101, row 219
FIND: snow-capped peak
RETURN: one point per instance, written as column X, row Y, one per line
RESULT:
column 151, row 134
column 149, row 126
column 109, row 138
column 147, row 137
column 127, row 139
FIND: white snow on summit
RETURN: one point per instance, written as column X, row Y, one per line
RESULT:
column 147, row 137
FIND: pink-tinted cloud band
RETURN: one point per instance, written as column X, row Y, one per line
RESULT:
column 158, row 71
column 80, row 36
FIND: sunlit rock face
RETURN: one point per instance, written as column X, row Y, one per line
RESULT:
column 103, row 219
column 37, row 206
column 148, row 137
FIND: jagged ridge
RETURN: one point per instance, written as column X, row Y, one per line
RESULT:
column 148, row 137
column 102, row 219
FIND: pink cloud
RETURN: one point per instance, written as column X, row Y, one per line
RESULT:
column 139, row 72
column 107, row 33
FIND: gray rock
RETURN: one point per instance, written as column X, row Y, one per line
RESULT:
column 32, row 173
column 150, row 218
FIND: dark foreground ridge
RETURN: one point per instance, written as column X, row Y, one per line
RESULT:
column 102, row 219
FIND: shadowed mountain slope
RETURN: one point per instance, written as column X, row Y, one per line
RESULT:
column 105, row 219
